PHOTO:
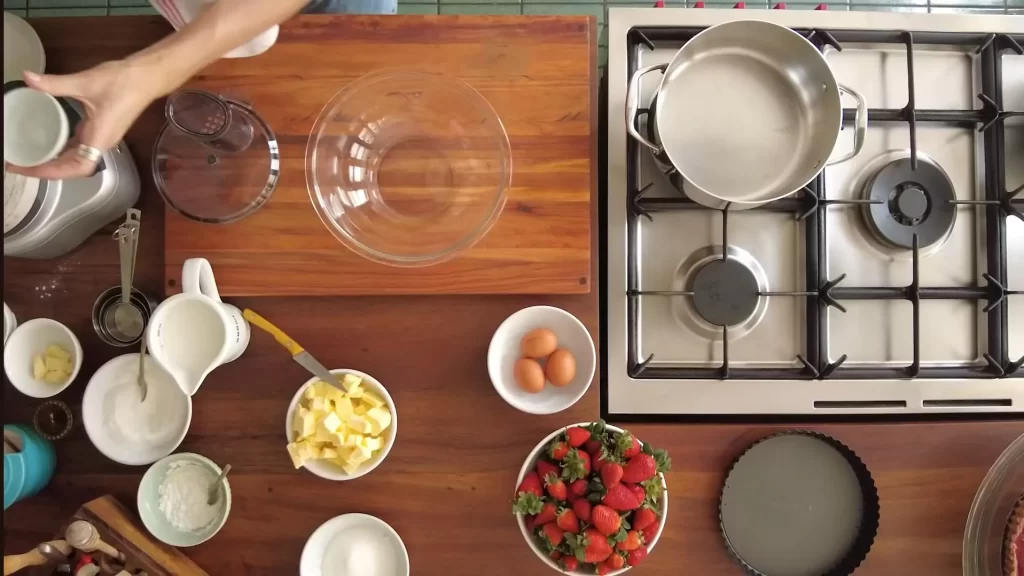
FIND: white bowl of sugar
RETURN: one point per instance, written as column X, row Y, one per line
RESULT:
column 123, row 426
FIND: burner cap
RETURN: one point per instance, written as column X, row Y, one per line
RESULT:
column 913, row 202
column 725, row 292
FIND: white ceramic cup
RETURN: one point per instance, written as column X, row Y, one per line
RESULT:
column 35, row 127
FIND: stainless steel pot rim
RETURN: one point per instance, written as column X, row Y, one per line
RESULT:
column 747, row 112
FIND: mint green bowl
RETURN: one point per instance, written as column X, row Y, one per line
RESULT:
column 149, row 503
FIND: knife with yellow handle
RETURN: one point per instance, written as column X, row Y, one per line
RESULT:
column 299, row 354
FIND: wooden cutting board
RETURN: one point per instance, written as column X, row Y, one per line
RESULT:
column 540, row 75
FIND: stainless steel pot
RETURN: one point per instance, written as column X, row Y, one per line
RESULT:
column 747, row 112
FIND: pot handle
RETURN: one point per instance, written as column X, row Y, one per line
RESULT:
column 860, row 123
column 632, row 104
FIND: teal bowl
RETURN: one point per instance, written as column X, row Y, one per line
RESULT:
column 149, row 503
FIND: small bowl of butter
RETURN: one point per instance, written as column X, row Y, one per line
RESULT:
column 42, row 357
column 341, row 430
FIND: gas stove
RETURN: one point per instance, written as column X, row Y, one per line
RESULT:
column 891, row 284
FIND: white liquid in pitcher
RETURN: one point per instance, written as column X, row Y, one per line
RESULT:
column 192, row 336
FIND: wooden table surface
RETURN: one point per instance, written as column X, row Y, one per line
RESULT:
column 447, row 484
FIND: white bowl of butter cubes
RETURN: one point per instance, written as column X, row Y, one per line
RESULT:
column 344, row 430
column 42, row 357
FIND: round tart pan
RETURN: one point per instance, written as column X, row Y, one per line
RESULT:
column 799, row 503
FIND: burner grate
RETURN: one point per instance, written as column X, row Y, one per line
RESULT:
column 808, row 207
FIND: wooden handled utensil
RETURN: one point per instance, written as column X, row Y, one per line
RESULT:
column 85, row 537
column 34, row 557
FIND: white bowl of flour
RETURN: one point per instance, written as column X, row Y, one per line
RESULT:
column 127, row 429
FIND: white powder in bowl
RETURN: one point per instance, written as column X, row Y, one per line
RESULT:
column 183, row 495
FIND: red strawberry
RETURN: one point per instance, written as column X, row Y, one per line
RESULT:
column 555, row 554
column 636, row 556
column 637, row 491
column 552, row 533
column 603, row 569
column 602, row 457
column 531, row 522
column 570, row 563
column 611, row 474
column 605, row 519
column 556, row 487
column 592, row 446
column 531, row 485
column 544, row 467
column 547, row 514
column 615, row 561
column 651, row 531
column 576, row 436
column 578, row 488
column 591, row 546
column 568, row 521
column 576, row 465
column 558, row 450
column 626, row 445
column 643, row 518
column 639, row 468
column 632, row 541
column 621, row 498
column 582, row 508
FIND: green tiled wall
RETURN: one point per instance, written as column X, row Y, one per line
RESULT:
column 598, row 8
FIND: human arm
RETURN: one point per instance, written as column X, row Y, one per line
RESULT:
column 115, row 93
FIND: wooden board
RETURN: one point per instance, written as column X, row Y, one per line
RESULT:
column 540, row 75
column 123, row 531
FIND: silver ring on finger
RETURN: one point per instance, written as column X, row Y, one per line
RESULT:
column 89, row 153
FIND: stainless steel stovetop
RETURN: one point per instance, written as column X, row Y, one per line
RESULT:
column 851, row 324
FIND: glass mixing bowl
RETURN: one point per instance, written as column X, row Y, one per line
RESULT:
column 408, row 168
column 990, row 513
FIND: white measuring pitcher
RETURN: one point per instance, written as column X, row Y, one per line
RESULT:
column 192, row 333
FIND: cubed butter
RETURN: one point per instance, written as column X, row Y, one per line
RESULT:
column 294, row 450
column 331, row 422
column 359, row 424
column 328, row 454
column 55, row 377
column 350, row 469
column 343, row 407
column 351, row 382
column 304, row 423
column 353, row 440
column 360, row 409
column 359, row 455
column 372, row 400
column 38, row 368
column 379, row 419
column 56, row 351
column 373, row 444
column 319, row 404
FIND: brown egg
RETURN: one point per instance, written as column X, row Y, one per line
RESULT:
column 529, row 375
column 538, row 343
column 561, row 368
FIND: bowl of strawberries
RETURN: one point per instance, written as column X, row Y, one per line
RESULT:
column 591, row 498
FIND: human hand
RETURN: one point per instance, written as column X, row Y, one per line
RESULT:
column 113, row 95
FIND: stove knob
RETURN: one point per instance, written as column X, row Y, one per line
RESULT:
column 740, row 5
column 822, row 7
column 779, row 6
column 699, row 5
